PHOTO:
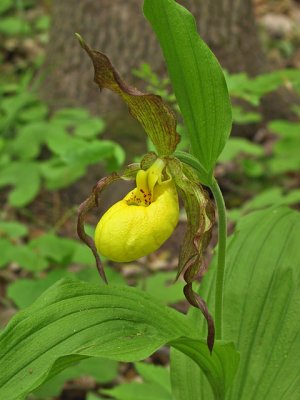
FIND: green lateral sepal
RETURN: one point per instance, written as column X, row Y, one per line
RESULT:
column 200, row 218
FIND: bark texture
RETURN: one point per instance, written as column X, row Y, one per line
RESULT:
column 229, row 28
column 119, row 29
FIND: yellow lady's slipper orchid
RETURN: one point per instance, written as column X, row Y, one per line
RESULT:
column 143, row 220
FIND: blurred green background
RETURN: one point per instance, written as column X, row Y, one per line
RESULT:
column 58, row 136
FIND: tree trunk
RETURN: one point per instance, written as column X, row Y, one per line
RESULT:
column 229, row 28
column 119, row 29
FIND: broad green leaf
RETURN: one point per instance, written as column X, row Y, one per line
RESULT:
column 83, row 255
column 267, row 198
column 261, row 312
column 161, row 285
column 34, row 112
column 5, row 5
column 28, row 258
column 239, row 85
column 284, row 162
column 12, row 105
column 286, row 148
column 154, row 374
column 102, row 369
column 59, row 175
column 28, row 142
column 236, row 146
column 260, row 309
column 74, row 319
column 117, row 159
column 241, row 116
column 196, row 77
column 25, row 178
column 27, row 185
column 269, row 82
column 72, row 114
column 60, row 142
column 227, row 360
column 156, row 385
column 90, row 152
column 12, row 229
column 285, row 129
column 253, row 89
column 54, row 248
column 83, row 124
column 92, row 275
column 252, row 168
column 43, row 23
column 6, row 251
column 8, row 173
column 89, row 128
column 187, row 379
column 24, row 292
column 293, row 197
column 2, row 143
column 23, row 255
column 92, row 396
column 14, row 26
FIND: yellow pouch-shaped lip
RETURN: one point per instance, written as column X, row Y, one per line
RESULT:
column 141, row 222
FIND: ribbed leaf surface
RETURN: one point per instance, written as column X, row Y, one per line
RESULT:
column 261, row 311
column 74, row 319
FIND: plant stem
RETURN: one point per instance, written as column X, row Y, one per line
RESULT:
column 222, row 236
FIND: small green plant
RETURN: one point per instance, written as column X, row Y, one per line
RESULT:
column 240, row 87
column 251, row 288
column 14, row 22
column 62, row 145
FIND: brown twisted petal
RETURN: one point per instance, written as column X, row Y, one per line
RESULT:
column 200, row 217
column 156, row 117
column 90, row 203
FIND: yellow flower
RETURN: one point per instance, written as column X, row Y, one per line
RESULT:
column 143, row 220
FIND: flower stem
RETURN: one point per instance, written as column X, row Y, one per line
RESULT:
column 222, row 236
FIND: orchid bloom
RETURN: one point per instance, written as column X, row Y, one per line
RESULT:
column 141, row 222
column 144, row 219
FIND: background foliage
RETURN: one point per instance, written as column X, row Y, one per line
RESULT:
column 44, row 153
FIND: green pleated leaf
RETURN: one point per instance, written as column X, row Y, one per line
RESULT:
column 187, row 380
column 196, row 77
column 101, row 369
column 263, row 287
column 226, row 359
column 156, row 117
column 25, row 177
column 154, row 374
column 261, row 311
column 73, row 320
